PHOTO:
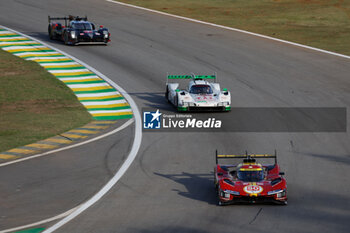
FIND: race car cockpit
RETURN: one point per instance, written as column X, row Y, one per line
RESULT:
column 250, row 175
column 81, row 25
column 201, row 89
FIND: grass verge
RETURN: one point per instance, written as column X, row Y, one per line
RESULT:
column 34, row 105
column 322, row 24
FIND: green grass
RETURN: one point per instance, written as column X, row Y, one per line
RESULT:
column 323, row 24
column 34, row 105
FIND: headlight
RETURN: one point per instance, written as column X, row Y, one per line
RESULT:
column 224, row 194
column 282, row 194
column 72, row 34
column 275, row 192
column 223, row 104
column 186, row 104
column 105, row 33
column 232, row 192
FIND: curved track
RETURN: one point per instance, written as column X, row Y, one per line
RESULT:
column 169, row 186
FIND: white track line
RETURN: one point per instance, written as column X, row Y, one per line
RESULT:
column 40, row 222
column 10, row 38
column 110, row 102
column 132, row 155
column 68, row 71
column 23, row 47
column 97, row 94
column 72, row 86
column 45, row 58
column 232, row 29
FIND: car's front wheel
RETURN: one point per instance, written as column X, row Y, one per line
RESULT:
column 65, row 38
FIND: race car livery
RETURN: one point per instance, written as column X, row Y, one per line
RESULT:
column 249, row 181
column 76, row 31
column 200, row 95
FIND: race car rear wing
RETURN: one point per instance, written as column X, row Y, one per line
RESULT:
column 245, row 156
column 67, row 19
column 192, row 76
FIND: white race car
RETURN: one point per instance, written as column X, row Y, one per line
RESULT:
column 201, row 95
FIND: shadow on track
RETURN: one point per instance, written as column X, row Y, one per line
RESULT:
column 154, row 100
column 44, row 37
column 199, row 186
column 344, row 159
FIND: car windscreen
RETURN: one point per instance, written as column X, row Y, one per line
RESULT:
column 82, row 26
column 201, row 89
column 250, row 176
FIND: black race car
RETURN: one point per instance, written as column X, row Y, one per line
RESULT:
column 77, row 30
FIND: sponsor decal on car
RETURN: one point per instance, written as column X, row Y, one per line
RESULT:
column 204, row 98
column 253, row 189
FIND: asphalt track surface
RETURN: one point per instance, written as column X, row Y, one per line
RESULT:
column 169, row 187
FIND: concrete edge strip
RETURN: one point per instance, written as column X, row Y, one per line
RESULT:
column 131, row 156
column 232, row 29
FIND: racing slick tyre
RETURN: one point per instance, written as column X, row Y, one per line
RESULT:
column 220, row 203
column 176, row 101
column 167, row 94
column 65, row 38
column 50, row 33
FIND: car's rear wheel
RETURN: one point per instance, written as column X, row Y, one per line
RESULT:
column 176, row 101
column 167, row 93
column 50, row 33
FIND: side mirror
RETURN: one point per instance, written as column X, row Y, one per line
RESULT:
column 182, row 93
column 281, row 173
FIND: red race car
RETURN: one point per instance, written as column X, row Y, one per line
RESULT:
column 249, row 181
